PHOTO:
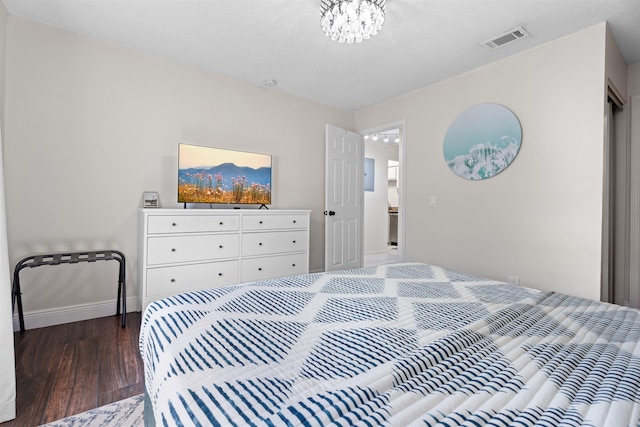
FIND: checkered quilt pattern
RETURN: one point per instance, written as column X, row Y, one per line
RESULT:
column 398, row 345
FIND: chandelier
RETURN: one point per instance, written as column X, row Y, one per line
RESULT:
column 351, row 20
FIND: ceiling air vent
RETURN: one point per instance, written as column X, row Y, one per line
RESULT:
column 511, row 36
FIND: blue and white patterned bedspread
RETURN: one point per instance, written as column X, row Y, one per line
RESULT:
column 399, row 344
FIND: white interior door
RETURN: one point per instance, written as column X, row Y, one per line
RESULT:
column 344, row 197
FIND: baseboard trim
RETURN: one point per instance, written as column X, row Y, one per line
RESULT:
column 379, row 252
column 72, row 313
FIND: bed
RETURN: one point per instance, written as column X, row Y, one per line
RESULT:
column 397, row 344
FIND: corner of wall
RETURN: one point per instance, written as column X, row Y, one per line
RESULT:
column 7, row 358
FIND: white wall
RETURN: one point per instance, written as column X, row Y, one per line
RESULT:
column 376, row 207
column 540, row 219
column 7, row 358
column 393, row 190
column 633, row 80
column 633, row 92
column 90, row 126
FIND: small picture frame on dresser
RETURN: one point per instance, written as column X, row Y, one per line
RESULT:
column 150, row 199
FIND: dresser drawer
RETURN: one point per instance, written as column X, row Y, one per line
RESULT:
column 175, row 249
column 191, row 223
column 181, row 250
column 273, row 242
column 274, row 221
column 274, row 266
column 183, row 278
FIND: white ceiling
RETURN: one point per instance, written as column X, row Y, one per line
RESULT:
column 421, row 42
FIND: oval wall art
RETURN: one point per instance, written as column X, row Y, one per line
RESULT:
column 482, row 141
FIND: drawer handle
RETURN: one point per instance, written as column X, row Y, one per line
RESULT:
column 294, row 241
column 259, row 222
column 293, row 265
column 173, row 224
column 220, row 222
column 220, row 246
column 173, row 280
column 219, row 274
column 294, row 221
column 259, row 268
column 173, row 249
column 260, row 244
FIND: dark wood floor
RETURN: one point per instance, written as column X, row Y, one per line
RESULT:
column 67, row 369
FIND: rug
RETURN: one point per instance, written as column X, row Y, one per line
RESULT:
column 127, row 412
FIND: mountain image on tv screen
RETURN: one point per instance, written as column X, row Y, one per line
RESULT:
column 214, row 175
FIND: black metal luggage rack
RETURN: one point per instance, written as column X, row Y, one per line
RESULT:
column 71, row 258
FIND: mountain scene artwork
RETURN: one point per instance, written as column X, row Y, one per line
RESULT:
column 223, row 176
column 482, row 141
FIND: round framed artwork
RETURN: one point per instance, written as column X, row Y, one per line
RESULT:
column 482, row 141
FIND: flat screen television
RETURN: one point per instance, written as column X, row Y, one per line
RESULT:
column 215, row 176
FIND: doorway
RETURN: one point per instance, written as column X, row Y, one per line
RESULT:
column 615, row 283
column 383, row 235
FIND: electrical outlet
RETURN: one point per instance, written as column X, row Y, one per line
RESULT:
column 432, row 201
column 514, row 280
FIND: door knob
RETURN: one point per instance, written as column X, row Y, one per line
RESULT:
column 330, row 213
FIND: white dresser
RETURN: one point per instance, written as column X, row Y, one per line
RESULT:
column 187, row 249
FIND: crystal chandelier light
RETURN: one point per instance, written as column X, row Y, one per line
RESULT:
column 351, row 20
